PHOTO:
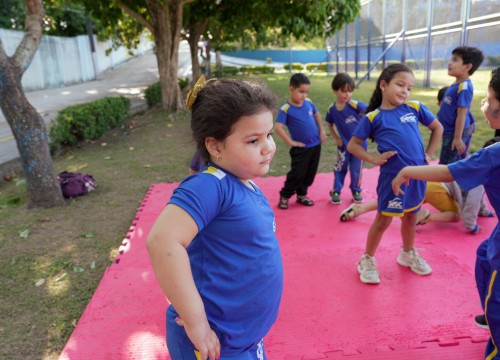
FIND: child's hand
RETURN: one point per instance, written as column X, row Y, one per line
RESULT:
column 297, row 144
column 458, row 145
column 399, row 180
column 382, row 158
column 340, row 143
column 203, row 338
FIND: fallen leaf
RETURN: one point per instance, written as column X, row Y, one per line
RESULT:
column 24, row 233
column 104, row 144
column 147, row 166
column 78, row 269
column 92, row 265
column 107, row 158
column 40, row 282
column 62, row 276
column 131, row 148
column 43, row 219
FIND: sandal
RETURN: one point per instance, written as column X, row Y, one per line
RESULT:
column 423, row 217
column 304, row 200
column 348, row 214
column 283, row 204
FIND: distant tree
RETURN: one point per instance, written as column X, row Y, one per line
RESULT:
column 251, row 24
column 28, row 127
column 125, row 21
column 62, row 17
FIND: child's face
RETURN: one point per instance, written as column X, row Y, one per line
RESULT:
column 299, row 94
column 457, row 68
column 397, row 91
column 343, row 95
column 248, row 151
column 490, row 106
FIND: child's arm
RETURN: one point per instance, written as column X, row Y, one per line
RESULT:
column 355, row 147
column 335, row 136
column 435, row 139
column 458, row 143
column 279, row 128
column 423, row 172
column 168, row 239
column 319, row 121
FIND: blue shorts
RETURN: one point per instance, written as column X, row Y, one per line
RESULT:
column 392, row 205
column 181, row 349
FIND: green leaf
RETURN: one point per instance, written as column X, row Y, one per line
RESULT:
column 24, row 233
column 78, row 269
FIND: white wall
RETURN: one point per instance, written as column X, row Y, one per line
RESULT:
column 62, row 61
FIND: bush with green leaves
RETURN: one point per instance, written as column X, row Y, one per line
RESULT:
column 89, row 121
column 257, row 69
column 153, row 91
column 295, row 66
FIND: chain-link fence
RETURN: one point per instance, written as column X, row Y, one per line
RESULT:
column 420, row 33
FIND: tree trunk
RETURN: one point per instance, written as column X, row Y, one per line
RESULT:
column 167, row 25
column 195, row 32
column 218, row 60
column 26, row 124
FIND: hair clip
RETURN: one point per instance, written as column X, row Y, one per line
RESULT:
column 193, row 93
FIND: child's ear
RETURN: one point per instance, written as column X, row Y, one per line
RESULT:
column 468, row 67
column 213, row 147
column 382, row 85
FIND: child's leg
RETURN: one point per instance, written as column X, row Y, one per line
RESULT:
column 377, row 229
column 340, row 168
column 445, row 216
column 482, row 271
column 492, row 312
column 408, row 227
column 355, row 169
column 298, row 170
column 311, row 168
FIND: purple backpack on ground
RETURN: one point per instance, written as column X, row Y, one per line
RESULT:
column 76, row 184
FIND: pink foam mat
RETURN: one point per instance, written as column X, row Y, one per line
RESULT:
column 326, row 312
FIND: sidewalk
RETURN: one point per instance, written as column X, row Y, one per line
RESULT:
column 129, row 79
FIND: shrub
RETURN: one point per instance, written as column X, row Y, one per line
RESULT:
column 226, row 70
column 89, row 121
column 295, row 66
column 257, row 69
column 153, row 92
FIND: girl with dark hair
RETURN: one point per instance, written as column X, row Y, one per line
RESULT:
column 392, row 122
column 213, row 248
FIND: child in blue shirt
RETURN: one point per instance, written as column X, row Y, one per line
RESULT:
column 454, row 113
column 306, row 133
column 345, row 114
column 213, row 248
column 392, row 122
column 482, row 168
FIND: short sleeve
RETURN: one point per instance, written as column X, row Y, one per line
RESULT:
column 479, row 164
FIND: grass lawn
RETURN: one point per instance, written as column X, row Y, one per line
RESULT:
column 51, row 260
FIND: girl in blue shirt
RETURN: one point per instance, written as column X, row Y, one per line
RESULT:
column 213, row 248
column 392, row 122
column 482, row 168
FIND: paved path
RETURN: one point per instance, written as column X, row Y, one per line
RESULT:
column 129, row 79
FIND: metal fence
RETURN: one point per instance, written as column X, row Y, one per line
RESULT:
column 420, row 33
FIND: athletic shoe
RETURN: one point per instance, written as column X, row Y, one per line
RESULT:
column 356, row 197
column 480, row 321
column 335, row 198
column 423, row 216
column 412, row 260
column 367, row 268
column 486, row 213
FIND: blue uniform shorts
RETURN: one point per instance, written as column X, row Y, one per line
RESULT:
column 392, row 205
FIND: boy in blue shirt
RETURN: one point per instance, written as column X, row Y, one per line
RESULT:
column 454, row 112
column 345, row 114
column 482, row 168
column 306, row 133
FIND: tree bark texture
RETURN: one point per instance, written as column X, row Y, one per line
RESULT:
column 196, row 29
column 27, row 125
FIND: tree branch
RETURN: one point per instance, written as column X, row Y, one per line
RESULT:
column 32, row 35
column 140, row 19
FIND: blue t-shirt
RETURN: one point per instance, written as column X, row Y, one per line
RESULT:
column 483, row 168
column 235, row 257
column 397, row 130
column 300, row 122
column 457, row 95
column 347, row 119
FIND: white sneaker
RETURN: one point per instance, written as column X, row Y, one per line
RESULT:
column 367, row 268
column 412, row 260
